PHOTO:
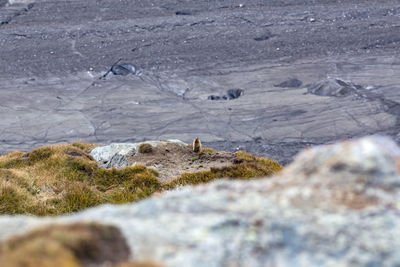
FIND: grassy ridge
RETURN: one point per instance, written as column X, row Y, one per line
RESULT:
column 61, row 179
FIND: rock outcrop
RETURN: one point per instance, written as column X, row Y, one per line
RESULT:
column 333, row 87
column 335, row 205
column 115, row 154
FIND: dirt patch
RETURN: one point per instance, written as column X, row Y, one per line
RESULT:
column 171, row 160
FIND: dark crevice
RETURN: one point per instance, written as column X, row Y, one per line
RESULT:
column 184, row 13
column 20, row 35
column 17, row 14
column 230, row 94
column 203, row 22
column 264, row 37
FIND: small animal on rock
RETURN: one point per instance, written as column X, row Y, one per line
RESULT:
column 196, row 145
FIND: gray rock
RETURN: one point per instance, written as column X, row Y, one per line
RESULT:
column 335, row 205
column 331, row 87
column 105, row 155
column 115, row 154
column 117, row 161
column 123, row 69
column 291, row 83
column 234, row 93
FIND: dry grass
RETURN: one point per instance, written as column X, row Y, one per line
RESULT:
column 145, row 148
column 207, row 151
column 67, row 245
column 246, row 167
column 62, row 179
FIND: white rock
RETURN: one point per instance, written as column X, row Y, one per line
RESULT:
column 114, row 155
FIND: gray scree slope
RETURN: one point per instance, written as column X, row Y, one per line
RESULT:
column 54, row 52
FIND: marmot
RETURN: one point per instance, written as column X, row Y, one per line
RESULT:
column 196, row 145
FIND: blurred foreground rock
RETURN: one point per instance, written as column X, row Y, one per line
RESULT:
column 335, row 205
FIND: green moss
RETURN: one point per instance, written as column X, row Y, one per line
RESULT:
column 145, row 148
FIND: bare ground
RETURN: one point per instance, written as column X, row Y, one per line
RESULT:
column 171, row 160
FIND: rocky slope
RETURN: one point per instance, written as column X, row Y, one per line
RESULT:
column 186, row 53
column 335, row 205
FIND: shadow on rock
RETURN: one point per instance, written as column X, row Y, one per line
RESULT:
column 230, row 95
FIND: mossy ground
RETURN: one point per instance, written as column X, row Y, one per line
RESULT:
column 61, row 179
column 145, row 148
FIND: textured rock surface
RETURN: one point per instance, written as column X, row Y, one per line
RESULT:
column 331, row 87
column 336, row 205
column 114, row 155
column 54, row 52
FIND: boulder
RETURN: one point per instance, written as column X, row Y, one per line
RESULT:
column 332, row 87
column 291, row 83
column 335, row 205
column 123, row 69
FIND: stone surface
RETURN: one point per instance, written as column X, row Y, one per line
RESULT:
column 114, row 155
column 335, row 205
column 123, row 69
column 54, row 52
column 291, row 83
column 332, row 87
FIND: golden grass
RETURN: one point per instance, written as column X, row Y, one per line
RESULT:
column 145, row 148
column 61, row 179
column 207, row 151
column 66, row 245
column 247, row 167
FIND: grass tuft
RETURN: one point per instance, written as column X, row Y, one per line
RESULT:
column 145, row 148
column 11, row 200
column 78, row 196
column 84, row 146
column 40, row 154
column 207, row 151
